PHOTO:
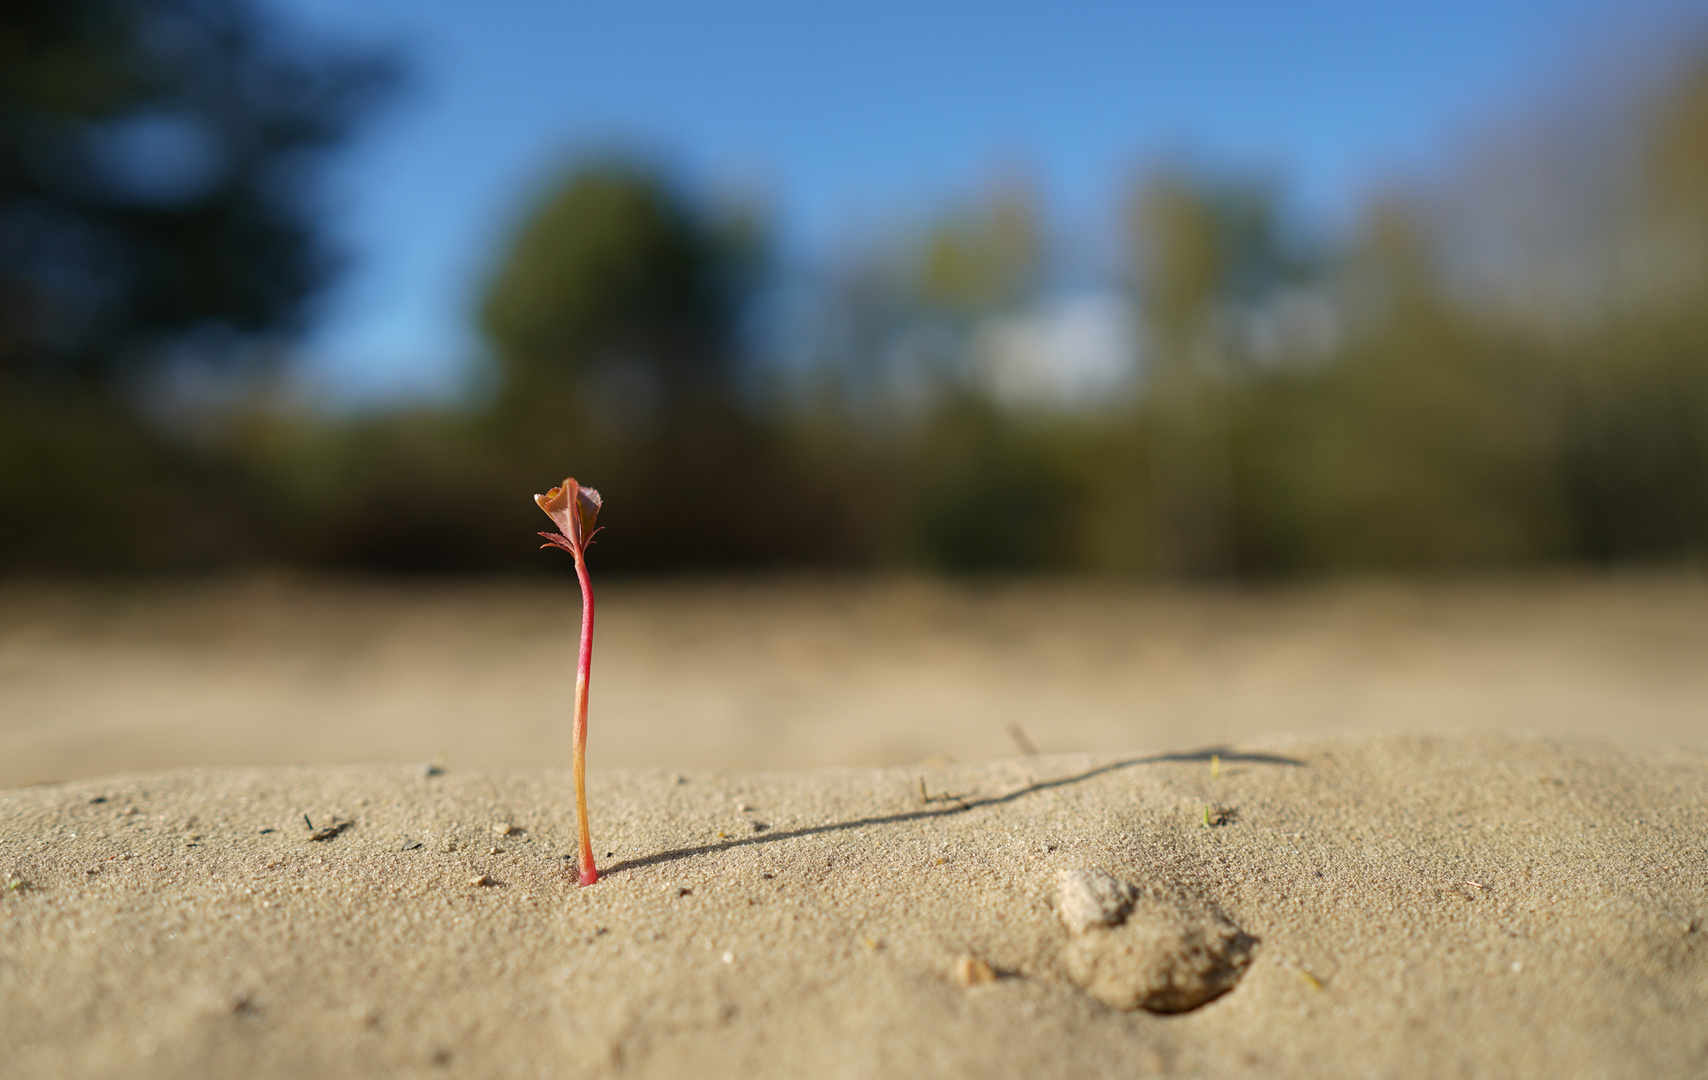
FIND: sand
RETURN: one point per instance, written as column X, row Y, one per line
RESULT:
column 799, row 674
column 1409, row 906
column 1521, row 893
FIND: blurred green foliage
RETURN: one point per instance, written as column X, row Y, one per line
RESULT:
column 155, row 203
column 157, row 225
column 617, row 285
column 1404, row 400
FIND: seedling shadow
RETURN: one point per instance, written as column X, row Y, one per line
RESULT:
column 954, row 805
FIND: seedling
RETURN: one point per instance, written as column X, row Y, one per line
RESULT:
column 574, row 509
column 1217, row 816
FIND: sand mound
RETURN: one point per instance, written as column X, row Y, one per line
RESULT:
column 1406, row 906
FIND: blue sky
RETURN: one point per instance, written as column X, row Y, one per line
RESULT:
column 843, row 115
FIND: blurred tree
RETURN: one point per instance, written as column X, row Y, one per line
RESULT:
column 1201, row 254
column 156, row 168
column 963, row 460
column 987, row 258
column 894, row 329
column 1202, row 248
column 616, row 287
column 617, row 314
column 992, row 495
column 1423, row 444
column 1637, row 445
column 1675, row 164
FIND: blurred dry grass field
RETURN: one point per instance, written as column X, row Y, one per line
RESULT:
column 786, row 674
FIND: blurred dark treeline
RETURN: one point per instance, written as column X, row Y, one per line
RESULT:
column 1506, row 367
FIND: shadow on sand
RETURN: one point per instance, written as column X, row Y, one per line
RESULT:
column 953, row 804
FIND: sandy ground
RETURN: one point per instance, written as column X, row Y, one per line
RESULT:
column 1362, row 902
column 1364, row 905
column 786, row 675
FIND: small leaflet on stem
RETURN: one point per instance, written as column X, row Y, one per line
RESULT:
column 573, row 509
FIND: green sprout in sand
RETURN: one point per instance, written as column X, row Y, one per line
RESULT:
column 573, row 509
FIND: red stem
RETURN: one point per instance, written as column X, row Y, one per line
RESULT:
column 583, row 672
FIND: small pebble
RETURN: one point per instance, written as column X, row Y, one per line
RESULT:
column 504, row 828
column 483, row 880
column 729, row 958
column 1088, row 898
column 1159, row 947
column 971, row 971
